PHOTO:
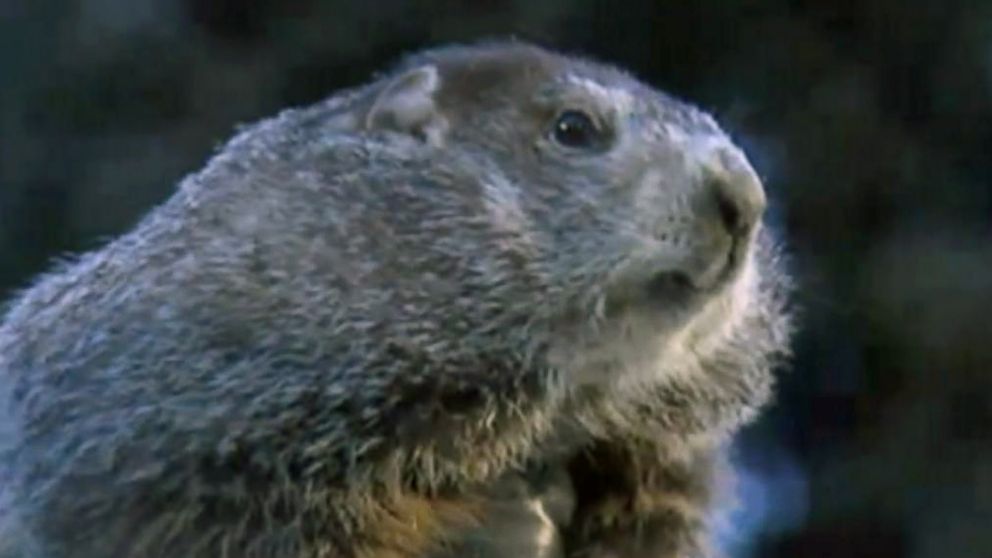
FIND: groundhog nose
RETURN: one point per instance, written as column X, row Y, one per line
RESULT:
column 736, row 190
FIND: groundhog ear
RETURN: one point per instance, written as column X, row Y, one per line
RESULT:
column 407, row 104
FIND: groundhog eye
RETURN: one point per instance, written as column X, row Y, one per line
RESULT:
column 575, row 129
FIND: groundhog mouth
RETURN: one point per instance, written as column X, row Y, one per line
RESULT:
column 699, row 280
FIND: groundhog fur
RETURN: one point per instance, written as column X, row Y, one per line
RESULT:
column 494, row 276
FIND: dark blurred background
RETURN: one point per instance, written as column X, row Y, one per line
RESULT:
column 871, row 122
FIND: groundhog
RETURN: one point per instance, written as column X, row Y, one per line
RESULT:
column 499, row 301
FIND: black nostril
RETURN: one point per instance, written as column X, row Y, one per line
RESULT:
column 730, row 213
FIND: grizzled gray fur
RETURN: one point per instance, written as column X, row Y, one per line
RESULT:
column 498, row 302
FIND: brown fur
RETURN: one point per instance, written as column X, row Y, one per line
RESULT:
column 412, row 525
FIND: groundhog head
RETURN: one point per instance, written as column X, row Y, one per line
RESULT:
column 645, row 216
column 624, row 223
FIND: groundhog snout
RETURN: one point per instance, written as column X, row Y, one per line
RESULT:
column 727, row 203
column 735, row 191
column 732, row 203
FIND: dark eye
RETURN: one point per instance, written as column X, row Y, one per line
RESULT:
column 576, row 129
